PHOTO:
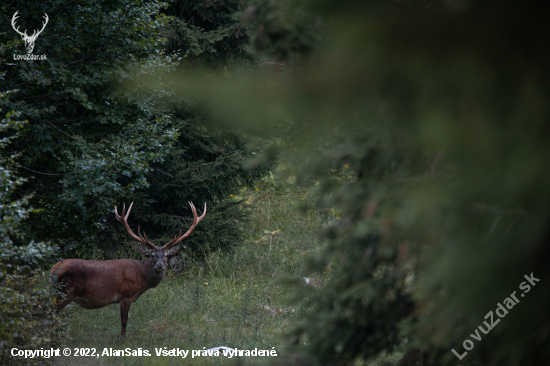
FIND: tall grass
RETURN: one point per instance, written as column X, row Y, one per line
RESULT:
column 230, row 299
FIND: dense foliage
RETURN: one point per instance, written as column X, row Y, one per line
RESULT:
column 25, row 304
column 449, row 181
column 205, row 164
column 86, row 143
column 92, row 144
column 209, row 32
column 439, row 114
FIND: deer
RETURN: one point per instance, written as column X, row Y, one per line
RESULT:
column 95, row 284
column 29, row 40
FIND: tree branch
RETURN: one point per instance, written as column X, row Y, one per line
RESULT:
column 74, row 138
column 34, row 171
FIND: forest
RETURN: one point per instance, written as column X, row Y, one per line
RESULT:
column 309, row 182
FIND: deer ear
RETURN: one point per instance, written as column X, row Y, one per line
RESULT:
column 172, row 250
column 146, row 251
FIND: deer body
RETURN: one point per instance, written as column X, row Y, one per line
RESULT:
column 95, row 284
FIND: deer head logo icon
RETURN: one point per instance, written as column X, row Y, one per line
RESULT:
column 29, row 40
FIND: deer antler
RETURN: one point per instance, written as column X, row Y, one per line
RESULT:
column 24, row 34
column 13, row 19
column 36, row 32
column 123, row 218
column 196, row 220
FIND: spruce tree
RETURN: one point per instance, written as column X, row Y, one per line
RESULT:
column 437, row 118
column 206, row 162
column 208, row 32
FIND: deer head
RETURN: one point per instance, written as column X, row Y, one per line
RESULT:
column 158, row 255
column 29, row 40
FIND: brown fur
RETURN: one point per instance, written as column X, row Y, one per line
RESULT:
column 95, row 284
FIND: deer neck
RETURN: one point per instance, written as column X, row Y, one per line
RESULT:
column 151, row 277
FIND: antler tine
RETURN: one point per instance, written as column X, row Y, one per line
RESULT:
column 144, row 237
column 194, row 212
column 169, row 244
column 129, row 209
column 37, row 32
column 13, row 19
column 118, row 217
column 47, row 19
column 190, row 231
column 123, row 219
column 139, row 232
column 203, row 213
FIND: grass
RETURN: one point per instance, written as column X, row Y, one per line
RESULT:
column 232, row 299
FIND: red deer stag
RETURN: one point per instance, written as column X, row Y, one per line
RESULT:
column 95, row 284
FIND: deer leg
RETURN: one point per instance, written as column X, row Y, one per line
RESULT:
column 124, row 308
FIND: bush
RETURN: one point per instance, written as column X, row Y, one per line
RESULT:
column 26, row 320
